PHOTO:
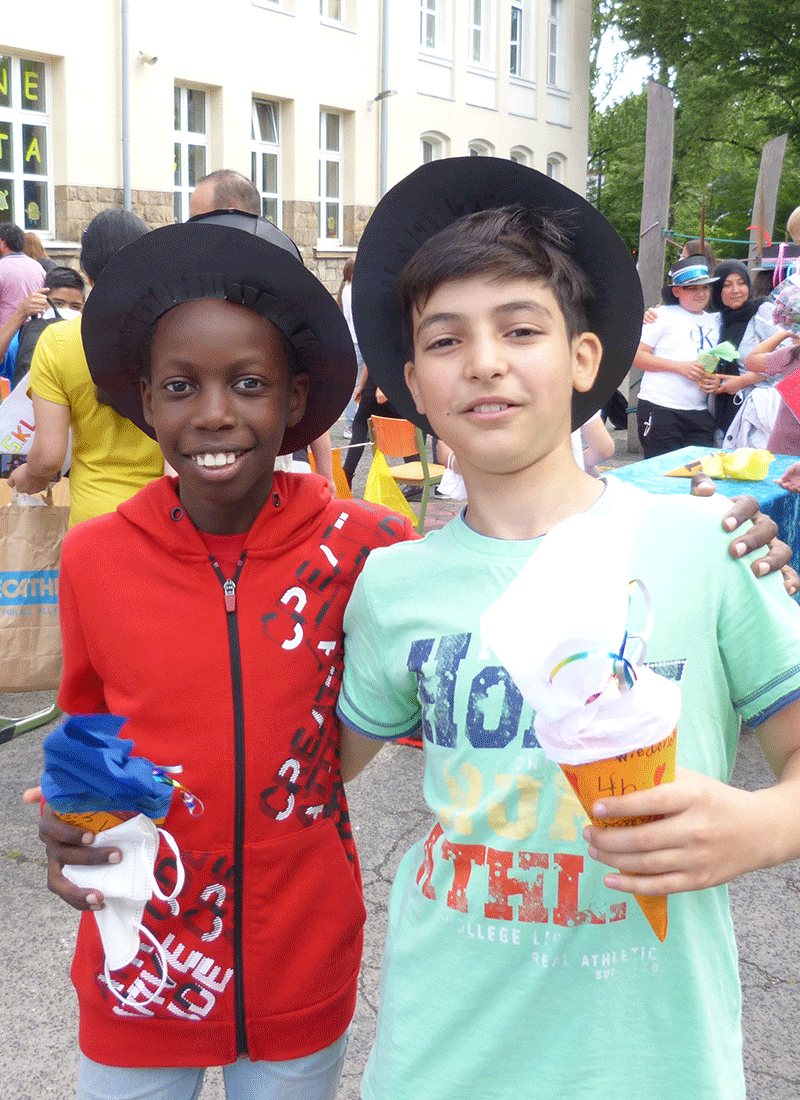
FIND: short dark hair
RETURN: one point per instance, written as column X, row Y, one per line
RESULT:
column 13, row 237
column 507, row 243
column 59, row 278
column 233, row 191
column 105, row 235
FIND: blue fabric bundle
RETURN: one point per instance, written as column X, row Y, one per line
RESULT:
column 87, row 767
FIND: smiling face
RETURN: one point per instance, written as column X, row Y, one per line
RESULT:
column 219, row 397
column 494, row 371
column 735, row 291
column 694, row 299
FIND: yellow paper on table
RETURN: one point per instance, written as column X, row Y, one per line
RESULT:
column 381, row 488
column 743, row 464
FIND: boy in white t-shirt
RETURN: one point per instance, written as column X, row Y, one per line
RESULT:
column 672, row 408
column 517, row 963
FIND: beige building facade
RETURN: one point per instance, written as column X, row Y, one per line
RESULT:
column 323, row 103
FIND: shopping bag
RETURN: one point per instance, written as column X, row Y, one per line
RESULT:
column 17, row 427
column 382, row 488
column 30, row 636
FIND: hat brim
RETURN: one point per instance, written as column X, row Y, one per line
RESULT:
column 438, row 194
column 704, row 280
column 197, row 260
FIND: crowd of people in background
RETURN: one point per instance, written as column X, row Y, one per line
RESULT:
column 209, row 351
column 707, row 305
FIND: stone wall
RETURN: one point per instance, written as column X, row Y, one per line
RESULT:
column 76, row 206
column 300, row 222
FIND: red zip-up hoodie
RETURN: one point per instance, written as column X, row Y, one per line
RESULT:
column 237, row 684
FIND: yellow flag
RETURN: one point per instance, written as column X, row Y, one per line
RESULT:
column 383, row 489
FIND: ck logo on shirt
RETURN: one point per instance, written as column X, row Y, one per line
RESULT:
column 701, row 337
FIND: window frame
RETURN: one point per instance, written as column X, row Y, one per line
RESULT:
column 555, row 166
column 436, row 142
column 437, row 10
column 517, row 63
column 13, row 118
column 555, row 74
column 325, row 15
column 186, row 138
column 326, row 157
column 260, row 147
column 479, row 147
column 482, row 29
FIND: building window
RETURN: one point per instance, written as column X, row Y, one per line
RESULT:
column 26, row 182
column 516, row 56
column 265, row 159
column 555, row 33
column 520, row 155
column 432, row 25
column 480, row 149
column 330, row 177
column 331, row 10
column 478, row 51
column 433, row 147
column 191, row 145
column 555, row 167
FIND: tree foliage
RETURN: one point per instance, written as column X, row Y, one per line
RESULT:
column 734, row 70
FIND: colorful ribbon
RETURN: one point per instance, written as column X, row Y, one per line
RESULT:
column 193, row 804
column 622, row 670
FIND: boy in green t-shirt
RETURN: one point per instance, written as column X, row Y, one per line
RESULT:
column 516, row 961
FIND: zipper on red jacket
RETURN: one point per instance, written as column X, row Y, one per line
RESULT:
column 229, row 594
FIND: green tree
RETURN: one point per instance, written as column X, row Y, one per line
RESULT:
column 730, row 99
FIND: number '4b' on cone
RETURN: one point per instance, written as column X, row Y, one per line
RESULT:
column 631, row 771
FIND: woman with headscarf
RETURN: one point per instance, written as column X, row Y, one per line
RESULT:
column 743, row 327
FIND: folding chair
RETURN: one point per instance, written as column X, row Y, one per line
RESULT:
column 397, row 439
column 339, row 479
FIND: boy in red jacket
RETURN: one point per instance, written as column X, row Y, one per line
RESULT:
column 208, row 611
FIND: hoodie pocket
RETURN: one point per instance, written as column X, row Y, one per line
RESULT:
column 303, row 919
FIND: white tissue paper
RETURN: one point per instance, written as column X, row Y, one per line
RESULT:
column 571, row 600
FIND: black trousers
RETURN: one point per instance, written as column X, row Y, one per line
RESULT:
column 368, row 406
column 662, row 429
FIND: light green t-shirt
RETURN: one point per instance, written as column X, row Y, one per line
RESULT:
column 510, row 969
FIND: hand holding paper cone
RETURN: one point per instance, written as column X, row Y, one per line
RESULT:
column 611, row 727
column 633, row 771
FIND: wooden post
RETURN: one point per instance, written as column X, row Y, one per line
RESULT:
column 655, row 214
column 766, row 198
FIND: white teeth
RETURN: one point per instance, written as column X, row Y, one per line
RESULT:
column 489, row 408
column 219, row 459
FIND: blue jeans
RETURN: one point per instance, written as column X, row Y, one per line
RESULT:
column 315, row 1077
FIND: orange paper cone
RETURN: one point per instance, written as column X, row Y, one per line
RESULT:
column 631, row 771
column 97, row 821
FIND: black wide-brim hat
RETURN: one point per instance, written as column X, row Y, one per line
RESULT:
column 438, row 194
column 238, row 258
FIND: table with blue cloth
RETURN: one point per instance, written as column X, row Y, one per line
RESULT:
column 775, row 502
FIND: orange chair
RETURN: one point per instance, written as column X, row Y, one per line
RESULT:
column 396, row 439
column 339, row 479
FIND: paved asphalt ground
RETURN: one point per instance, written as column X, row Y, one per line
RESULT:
column 38, row 1053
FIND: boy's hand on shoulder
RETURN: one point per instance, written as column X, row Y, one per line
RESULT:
column 68, row 844
column 762, row 534
column 702, row 839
